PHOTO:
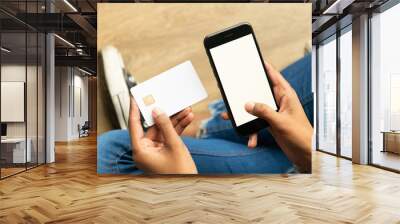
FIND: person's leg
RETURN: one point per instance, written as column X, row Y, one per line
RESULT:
column 216, row 127
column 297, row 74
column 219, row 156
column 114, row 153
column 211, row 156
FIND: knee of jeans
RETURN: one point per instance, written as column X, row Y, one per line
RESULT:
column 308, row 106
column 217, row 106
column 298, row 75
column 111, row 145
column 215, row 125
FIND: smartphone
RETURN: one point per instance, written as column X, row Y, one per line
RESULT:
column 241, row 75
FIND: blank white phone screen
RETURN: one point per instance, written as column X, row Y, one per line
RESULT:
column 242, row 76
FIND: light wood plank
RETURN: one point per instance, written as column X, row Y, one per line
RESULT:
column 70, row 191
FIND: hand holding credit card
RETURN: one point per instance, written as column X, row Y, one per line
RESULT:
column 171, row 91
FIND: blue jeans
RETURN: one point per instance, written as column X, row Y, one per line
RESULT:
column 218, row 149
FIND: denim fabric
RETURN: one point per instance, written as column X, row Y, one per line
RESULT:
column 114, row 153
column 218, row 150
column 212, row 156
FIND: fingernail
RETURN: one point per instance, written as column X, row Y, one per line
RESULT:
column 157, row 111
column 191, row 115
column 249, row 106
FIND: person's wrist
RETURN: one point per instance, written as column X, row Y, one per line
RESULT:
column 187, row 169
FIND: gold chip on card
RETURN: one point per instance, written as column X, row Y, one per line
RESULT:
column 148, row 100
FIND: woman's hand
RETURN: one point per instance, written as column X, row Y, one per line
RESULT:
column 289, row 126
column 160, row 150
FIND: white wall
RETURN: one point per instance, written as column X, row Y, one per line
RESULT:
column 33, row 126
column 62, row 82
column 17, row 73
column 12, row 73
column 71, row 94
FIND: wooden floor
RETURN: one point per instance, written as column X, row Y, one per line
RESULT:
column 10, row 171
column 69, row 191
column 387, row 159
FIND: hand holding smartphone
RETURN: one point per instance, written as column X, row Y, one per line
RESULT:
column 241, row 75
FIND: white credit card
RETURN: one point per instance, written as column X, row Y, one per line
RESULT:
column 171, row 91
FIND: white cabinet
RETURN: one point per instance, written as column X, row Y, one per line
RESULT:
column 17, row 147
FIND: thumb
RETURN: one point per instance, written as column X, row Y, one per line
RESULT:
column 166, row 127
column 262, row 111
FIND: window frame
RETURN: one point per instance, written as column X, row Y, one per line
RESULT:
column 27, row 29
column 334, row 37
column 381, row 9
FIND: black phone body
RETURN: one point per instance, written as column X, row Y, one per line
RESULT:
column 240, row 71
